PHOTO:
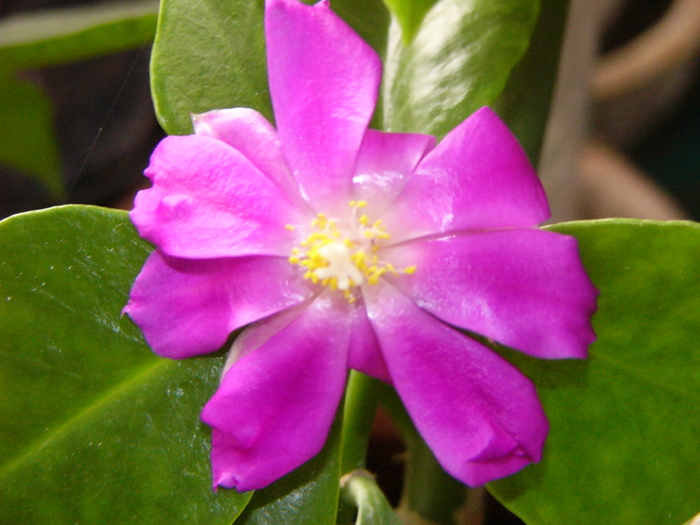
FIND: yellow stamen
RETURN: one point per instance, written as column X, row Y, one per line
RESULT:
column 342, row 255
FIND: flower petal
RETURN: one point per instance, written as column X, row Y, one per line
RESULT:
column 324, row 81
column 276, row 404
column 478, row 177
column 189, row 307
column 209, row 201
column 365, row 353
column 478, row 414
column 525, row 288
column 250, row 133
column 384, row 164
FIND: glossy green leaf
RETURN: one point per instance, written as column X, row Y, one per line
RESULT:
column 372, row 506
column 369, row 18
column 208, row 55
column 625, row 423
column 27, row 142
column 307, row 496
column 409, row 14
column 56, row 36
column 211, row 55
column 525, row 100
column 459, row 60
column 94, row 428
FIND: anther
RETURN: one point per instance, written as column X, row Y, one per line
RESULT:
column 342, row 254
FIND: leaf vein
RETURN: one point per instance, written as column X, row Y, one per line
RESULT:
column 62, row 429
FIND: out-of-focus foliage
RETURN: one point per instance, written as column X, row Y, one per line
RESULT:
column 48, row 38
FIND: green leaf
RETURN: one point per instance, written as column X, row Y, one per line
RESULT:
column 27, row 142
column 525, row 100
column 459, row 60
column 57, row 36
column 625, row 423
column 410, row 14
column 94, row 428
column 369, row 18
column 208, row 55
column 211, row 55
column 372, row 506
column 307, row 496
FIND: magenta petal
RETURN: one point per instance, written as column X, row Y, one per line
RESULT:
column 365, row 353
column 187, row 308
column 478, row 177
column 478, row 414
column 384, row 164
column 276, row 404
column 250, row 133
column 525, row 288
column 209, row 201
column 324, row 81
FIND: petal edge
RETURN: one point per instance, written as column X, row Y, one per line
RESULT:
column 478, row 414
column 276, row 404
column 324, row 83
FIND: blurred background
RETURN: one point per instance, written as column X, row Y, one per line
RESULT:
column 623, row 139
column 102, row 118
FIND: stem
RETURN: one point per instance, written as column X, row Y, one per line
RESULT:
column 428, row 490
column 361, row 401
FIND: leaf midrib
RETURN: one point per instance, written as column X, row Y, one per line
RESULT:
column 644, row 378
column 108, row 396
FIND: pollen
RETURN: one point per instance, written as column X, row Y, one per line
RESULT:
column 342, row 254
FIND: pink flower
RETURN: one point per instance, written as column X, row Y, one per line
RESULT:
column 346, row 247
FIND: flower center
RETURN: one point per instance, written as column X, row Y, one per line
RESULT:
column 342, row 254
